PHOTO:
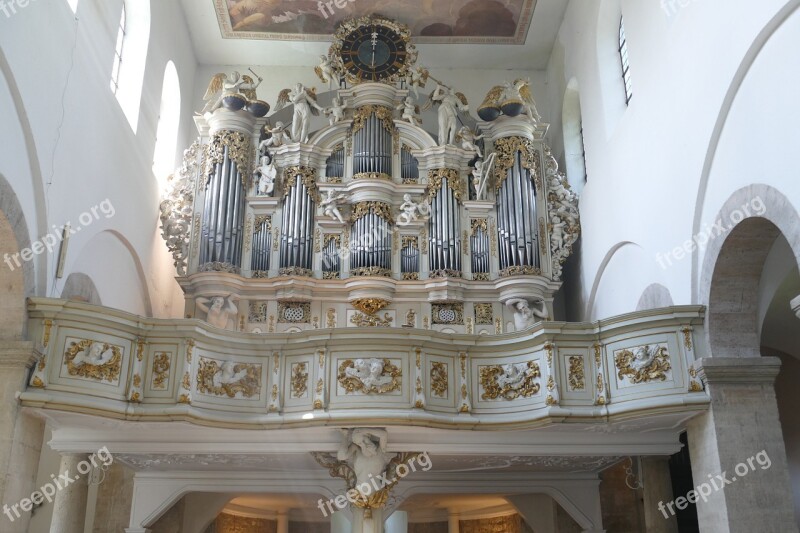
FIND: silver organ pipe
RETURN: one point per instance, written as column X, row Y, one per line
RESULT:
column 297, row 230
column 479, row 244
column 372, row 238
column 262, row 246
column 409, row 166
column 516, row 218
column 223, row 215
column 445, row 231
column 373, row 148
column 334, row 166
column 331, row 260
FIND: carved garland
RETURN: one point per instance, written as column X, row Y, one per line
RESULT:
column 506, row 149
column 108, row 371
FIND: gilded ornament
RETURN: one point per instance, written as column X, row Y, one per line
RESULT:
column 248, row 233
column 229, row 378
column 369, row 376
column 276, row 234
column 362, row 320
column 94, row 360
column 37, row 383
column 437, row 177
column 371, row 176
column 643, row 364
column 381, row 209
column 423, row 241
column 445, row 273
column 362, row 114
column 240, row 151
column 498, row 326
column 506, row 150
column 370, row 271
column 448, row 314
column 520, row 271
column 370, row 305
column 484, row 314
column 439, row 383
column 470, row 329
column 510, row 381
column 299, row 380
column 186, row 381
column 294, row 312
column 481, row 276
column 577, row 379
column 48, row 324
column 687, row 338
column 308, row 177
column 330, row 318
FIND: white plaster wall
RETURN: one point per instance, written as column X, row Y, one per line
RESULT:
column 87, row 150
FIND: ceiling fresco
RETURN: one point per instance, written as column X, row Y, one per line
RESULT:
column 431, row 21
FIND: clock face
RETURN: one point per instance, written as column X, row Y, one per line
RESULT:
column 373, row 52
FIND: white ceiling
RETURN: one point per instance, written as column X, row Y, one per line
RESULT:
column 212, row 49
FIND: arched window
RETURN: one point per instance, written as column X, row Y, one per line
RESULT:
column 626, row 66
column 574, row 151
column 121, row 32
column 130, row 56
column 73, row 5
column 169, row 117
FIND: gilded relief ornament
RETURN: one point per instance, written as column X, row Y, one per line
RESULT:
column 94, row 360
column 177, row 208
column 369, row 376
column 381, row 209
column 506, row 150
column 439, row 379
column 161, row 365
column 577, row 378
column 294, row 312
column 448, row 314
column 228, row 378
column 371, row 321
column 510, row 381
column 299, row 380
column 240, row 151
column 370, row 306
column 306, row 175
column 643, row 364
column 330, row 318
column 564, row 218
column 437, row 177
column 484, row 314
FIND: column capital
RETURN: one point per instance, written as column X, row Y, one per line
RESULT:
column 16, row 354
column 738, row 370
column 796, row 306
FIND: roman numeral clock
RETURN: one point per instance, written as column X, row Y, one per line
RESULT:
column 372, row 49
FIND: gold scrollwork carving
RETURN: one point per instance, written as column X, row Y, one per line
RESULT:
column 370, row 305
column 299, row 380
column 437, row 176
column 520, row 271
column 439, row 379
column 48, row 324
column 362, row 114
column 643, row 364
column 229, row 378
column 94, row 360
column 577, row 377
column 448, row 314
column 370, row 271
column 308, row 177
column 371, row 321
column 294, row 312
column 479, row 224
column 484, row 314
column 381, row 209
column 369, row 376
column 506, row 149
column 687, row 338
column 371, row 176
column 161, row 365
column 240, row 151
column 510, row 381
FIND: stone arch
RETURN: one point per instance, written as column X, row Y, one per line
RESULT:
column 655, row 296
column 80, row 287
column 16, row 274
column 599, row 276
column 729, row 281
column 741, row 74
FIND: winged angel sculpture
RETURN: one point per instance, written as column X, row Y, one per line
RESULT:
column 305, row 105
column 222, row 86
column 512, row 99
column 450, row 104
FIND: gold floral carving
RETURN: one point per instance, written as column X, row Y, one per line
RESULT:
column 448, row 314
column 520, row 271
column 479, row 224
column 687, row 338
column 511, row 381
column 480, row 276
column 275, row 239
column 248, row 233
column 330, row 318
column 492, row 238
column 643, row 364
column 294, row 312
column 370, row 305
column 551, row 386
column 108, row 368
column 371, row 271
column 439, row 379
column 362, row 114
column 371, row 176
column 381, row 209
column 48, row 324
column 245, row 378
column 484, row 314
column 299, row 380
column 542, row 237
column 352, row 383
column 371, row 321
column 240, row 151
column 694, row 385
column 506, row 149
column 296, row 272
column 308, row 177
column 577, row 377
column 437, row 176
column 498, row 326
column 318, row 241
column 423, row 241
column 470, row 326
column 161, row 365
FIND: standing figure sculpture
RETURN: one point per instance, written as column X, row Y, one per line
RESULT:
column 219, row 314
column 525, row 316
column 305, row 105
column 469, row 141
column 409, row 111
column 330, row 205
column 266, row 174
column 450, row 103
column 480, row 176
column 364, row 450
column 335, row 112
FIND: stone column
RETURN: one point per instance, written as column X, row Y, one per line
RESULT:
column 657, row 490
column 283, row 521
column 452, row 522
column 397, row 523
column 340, row 523
column 20, row 436
column 69, row 507
column 740, row 435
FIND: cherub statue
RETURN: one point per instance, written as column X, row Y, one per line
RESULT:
column 412, row 210
column 525, row 316
column 410, row 111
column 267, row 173
column 469, row 139
column 480, row 176
column 513, row 374
column 450, row 104
column 557, row 233
column 416, row 79
column 330, row 205
column 305, row 105
column 326, row 70
column 277, row 136
column 364, row 450
column 221, row 86
column 97, row 354
column 521, row 90
column 219, row 314
column 643, row 357
column 228, row 374
column 335, row 112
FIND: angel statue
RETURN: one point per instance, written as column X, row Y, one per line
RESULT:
column 266, row 175
column 480, row 176
column 219, row 314
column 276, row 138
column 96, row 354
column 520, row 90
column 326, row 70
column 525, row 316
column 221, row 86
column 450, row 103
column 412, row 210
column 416, row 79
column 410, row 111
column 469, row 140
column 330, row 205
column 305, row 105
column 335, row 112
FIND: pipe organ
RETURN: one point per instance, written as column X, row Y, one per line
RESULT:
column 371, row 222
